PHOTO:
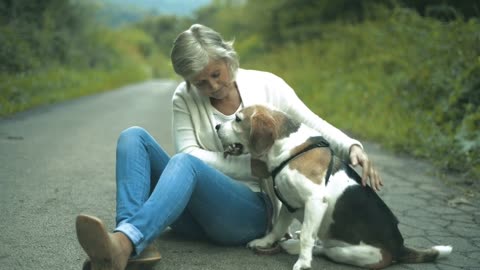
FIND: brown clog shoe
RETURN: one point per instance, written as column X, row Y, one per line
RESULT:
column 144, row 261
column 149, row 255
column 95, row 241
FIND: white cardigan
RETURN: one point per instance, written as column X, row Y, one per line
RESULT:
column 194, row 123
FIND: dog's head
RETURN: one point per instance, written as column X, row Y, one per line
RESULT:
column 253, row 131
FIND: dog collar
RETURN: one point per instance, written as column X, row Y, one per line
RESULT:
column 318, row 142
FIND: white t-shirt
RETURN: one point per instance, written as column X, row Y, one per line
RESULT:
column 220, row 118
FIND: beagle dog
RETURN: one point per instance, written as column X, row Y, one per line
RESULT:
column 317, row 188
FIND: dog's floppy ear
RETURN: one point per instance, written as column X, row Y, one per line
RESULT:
column 262, row 134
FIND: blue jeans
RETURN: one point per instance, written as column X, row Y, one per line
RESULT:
column 155, row 191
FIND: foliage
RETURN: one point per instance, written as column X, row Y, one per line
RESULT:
column 40, row 33
column 445, row 9
column 163, row 30
column 51, row 50
column 298, row 20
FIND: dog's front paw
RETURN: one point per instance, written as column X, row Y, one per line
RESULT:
column 302, row 264
column 264, row 242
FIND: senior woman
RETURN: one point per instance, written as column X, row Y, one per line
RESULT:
column 198, row 192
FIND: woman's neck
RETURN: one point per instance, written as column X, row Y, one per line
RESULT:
column 229, row 104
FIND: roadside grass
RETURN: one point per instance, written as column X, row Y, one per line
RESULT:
column 407, row 82
column 25, row 91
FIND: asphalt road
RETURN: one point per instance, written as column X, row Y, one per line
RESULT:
column 58, row 161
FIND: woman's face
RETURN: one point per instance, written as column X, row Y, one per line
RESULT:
column 214, row 80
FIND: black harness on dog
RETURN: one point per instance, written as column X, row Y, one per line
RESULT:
column 318, row 142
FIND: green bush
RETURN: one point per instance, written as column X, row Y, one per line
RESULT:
column 15, row 53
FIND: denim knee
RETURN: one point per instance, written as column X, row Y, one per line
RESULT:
column 133, row 132
column 185, row 160
column 183, row 157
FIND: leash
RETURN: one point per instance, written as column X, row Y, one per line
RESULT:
column 318, row 142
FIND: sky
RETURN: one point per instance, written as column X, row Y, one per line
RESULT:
column 177, row 7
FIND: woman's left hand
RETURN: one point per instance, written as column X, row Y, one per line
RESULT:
column 359, row 157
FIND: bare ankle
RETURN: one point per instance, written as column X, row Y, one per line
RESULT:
column 123, row 243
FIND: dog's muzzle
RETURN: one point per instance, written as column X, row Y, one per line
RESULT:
column 234, row 149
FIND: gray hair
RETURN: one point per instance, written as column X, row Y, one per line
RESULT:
column 194, row 48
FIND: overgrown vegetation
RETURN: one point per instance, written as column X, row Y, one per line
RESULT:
column 53, row 50
column 408, row 82
column 387, row 74
column 405, row 74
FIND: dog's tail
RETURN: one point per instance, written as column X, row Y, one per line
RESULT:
column 412, row 255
